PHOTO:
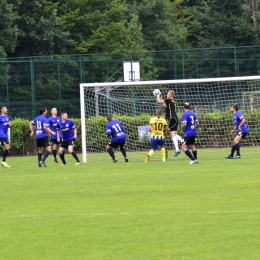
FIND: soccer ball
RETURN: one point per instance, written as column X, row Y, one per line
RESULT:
column 156, row 92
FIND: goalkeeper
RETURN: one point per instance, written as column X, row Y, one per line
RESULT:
column 170, row 109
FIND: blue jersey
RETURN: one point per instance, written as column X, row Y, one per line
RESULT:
column 237, row 117
column 40, row 122
column 67, row 130
column 4, row 125
column 189, row 119
column 53, row 122
column 115, row 129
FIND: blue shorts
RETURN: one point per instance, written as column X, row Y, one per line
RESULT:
column 156, row 142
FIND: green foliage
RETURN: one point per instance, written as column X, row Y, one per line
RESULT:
column 214, row 131
column 46, row 27
column 163, row 23
column 41, row 31
column 218, row 23
column 21, row 142
column 8, row 28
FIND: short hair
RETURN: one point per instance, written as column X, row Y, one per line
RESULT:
column 186, row 105
column 62, row 113
column 109, row 117
column 158, row 112
column 53, row 108
column 42, row 110
column 2, row 108
column 235, row 106
column 171, row 92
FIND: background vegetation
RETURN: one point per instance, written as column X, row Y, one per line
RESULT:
column 43, row 27
column 213, row 133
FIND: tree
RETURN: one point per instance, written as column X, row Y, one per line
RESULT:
column 251, row 10
column 40, row 30
column 100, row 26
column 218, row 23
column 8, row 28
column 163, row 23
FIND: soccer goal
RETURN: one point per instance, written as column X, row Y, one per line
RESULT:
column 133, row 104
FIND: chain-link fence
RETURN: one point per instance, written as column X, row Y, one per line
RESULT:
column 27, row 83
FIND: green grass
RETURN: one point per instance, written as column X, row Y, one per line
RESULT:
column 138, row 210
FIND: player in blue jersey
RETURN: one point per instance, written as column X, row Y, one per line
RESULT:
column 189, row 124
column 116, row 130
column 53, row 121
column 241, row 129
column 41, row 125
column 68, row 130
column 4, row 125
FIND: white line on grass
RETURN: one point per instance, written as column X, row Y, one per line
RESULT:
column 126, row 213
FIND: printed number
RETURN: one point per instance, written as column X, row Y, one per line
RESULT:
column 158, row 126
column 39, row 125
column 117, row 128
column 192, row 122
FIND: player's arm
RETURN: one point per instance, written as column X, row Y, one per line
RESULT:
column 233, row 130
column 75, row 132
column 183, row 127
column 150, row 128
column 108, row 131
column 122, row 127
column 167, row 129
column 32, row 128
column 184, row 123
column 160, row 101
column 197, row 123
column 48, row 130
column 243, row 121
column 58, row 134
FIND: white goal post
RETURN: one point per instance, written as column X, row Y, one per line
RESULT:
column 134, row 98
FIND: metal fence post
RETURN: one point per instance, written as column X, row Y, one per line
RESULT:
column 59, row 86
column 183, row 66
column 7, row 85
column 32, row 87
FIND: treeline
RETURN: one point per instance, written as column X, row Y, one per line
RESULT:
column 44, row 27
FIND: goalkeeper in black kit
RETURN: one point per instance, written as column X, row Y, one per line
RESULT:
column 170, row 109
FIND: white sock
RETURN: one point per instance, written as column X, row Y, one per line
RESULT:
column 175, row 142
column 179, row 138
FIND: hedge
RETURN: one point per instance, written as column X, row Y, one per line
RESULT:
column 213, row 132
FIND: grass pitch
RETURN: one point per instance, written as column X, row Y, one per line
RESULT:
column 134, row 210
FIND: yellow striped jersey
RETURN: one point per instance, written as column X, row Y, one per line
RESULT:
column 158, row 127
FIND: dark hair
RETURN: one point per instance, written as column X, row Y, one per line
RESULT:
column 109, row 117
column 2, row 108
column 62, row 113
column 186, row 105
column 42, row 110
column 235, row 106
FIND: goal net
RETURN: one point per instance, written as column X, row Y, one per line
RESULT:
column 133, row 104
